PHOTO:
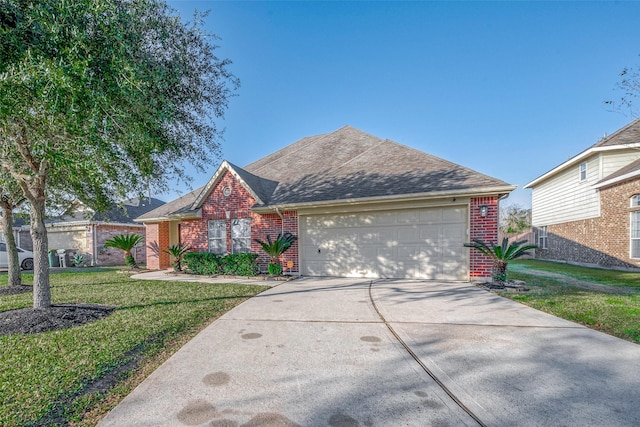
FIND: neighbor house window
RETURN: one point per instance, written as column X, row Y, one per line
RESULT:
column 218, row 236
column 542, row 237
column 241, row 235
column 583, row 171
column 634, row 243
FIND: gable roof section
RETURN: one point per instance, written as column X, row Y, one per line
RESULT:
column 348, row 164
column 258, row 187
column 624, row 138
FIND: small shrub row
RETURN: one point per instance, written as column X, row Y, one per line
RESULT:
column 233, row 264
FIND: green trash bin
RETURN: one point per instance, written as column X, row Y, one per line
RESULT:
column 54, row 261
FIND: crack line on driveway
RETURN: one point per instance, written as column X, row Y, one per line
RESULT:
column 422, row 365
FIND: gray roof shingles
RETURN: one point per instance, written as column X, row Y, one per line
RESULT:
column 349, row 164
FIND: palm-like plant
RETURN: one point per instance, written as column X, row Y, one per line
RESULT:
column 501, row 255
column 276, row 248
column 125, row 242
column 177, row 252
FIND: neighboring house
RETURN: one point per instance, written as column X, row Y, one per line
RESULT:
column 587, row 210
column 361, row 206
column 83, row 231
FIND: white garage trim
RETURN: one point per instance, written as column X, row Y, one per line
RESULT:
column 420, row 243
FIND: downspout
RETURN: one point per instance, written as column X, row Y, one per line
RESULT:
column 281, row 221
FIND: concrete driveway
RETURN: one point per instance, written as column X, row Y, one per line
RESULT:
column 316, row 352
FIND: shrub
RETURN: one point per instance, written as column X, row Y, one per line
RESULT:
column 204, row 263
column 274, row 269
column 211, row 264
column 240, row 264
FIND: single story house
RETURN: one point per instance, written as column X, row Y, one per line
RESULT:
column 84, row 231
column 587, row 209
column 360, row 206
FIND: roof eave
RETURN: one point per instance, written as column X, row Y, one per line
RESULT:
column 475, row 192
column 197, row 214
column 576, row 159
column 617, row 179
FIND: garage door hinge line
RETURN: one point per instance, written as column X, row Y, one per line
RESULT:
column 424, row 367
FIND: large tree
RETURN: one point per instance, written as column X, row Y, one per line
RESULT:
column 102, row 98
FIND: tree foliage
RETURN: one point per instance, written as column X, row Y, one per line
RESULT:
column 514, row 219
column 100, row 98
column 629, row 87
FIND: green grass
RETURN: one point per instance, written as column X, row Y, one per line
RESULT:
column 614, row 314
column 626, row 279
column 44, row 376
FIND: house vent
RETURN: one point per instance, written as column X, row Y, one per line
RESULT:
column 226, row 191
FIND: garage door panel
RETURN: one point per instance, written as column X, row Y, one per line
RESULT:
column 414, row 243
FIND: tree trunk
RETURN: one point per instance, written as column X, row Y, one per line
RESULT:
column 41, row 288
column 13, row 262
column 499, row 271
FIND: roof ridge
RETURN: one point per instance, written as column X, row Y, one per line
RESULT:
column 382, row 141
column 616, row 133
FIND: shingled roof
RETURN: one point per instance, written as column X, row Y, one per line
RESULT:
column 630, row 134
column 125, row 213
column 349, row 164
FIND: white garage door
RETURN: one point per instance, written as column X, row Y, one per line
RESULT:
column 409, row 243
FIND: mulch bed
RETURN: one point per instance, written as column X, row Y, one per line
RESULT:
column 509, row 286
column 13, row 290
column 33, row 321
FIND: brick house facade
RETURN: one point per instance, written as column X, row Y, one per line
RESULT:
column 291, row 191
column 604, row 240
column 585, row 210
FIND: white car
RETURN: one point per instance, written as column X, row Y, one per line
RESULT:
column 25, row 257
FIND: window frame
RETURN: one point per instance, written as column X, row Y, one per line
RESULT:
column 543, row 237
column 582, row 170
column 634, row 227
column 246, row 248
column 222, row 239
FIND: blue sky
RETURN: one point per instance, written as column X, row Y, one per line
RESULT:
column 510, row 89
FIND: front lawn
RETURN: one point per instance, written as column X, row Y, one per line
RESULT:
column 617, row 314
column 60, row 377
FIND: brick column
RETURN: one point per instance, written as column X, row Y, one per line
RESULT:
column 483, row 228
column 157, row 241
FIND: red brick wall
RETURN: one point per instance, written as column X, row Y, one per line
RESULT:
column 485, row 229
column 271, row 225
column 603, row 240
column 158, row 236
column 194, row 233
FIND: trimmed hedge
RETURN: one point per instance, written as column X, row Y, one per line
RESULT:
column 233, row 264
